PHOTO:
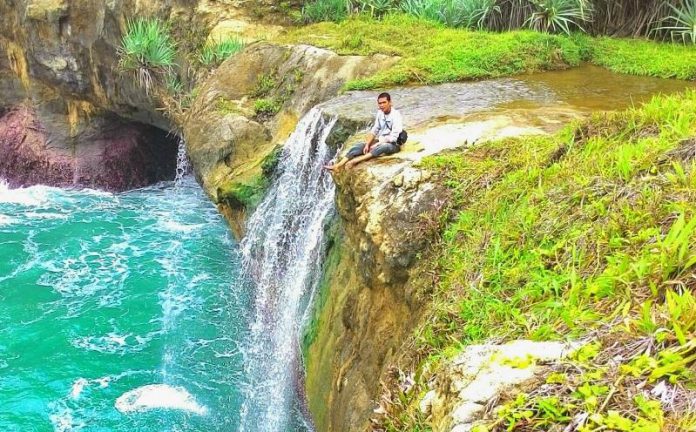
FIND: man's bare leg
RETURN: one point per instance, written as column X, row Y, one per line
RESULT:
column 336, row 165
column 358, row 159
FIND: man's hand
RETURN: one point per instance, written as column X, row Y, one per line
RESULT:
column 366, row 149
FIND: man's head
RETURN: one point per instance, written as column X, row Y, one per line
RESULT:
column 384, row 102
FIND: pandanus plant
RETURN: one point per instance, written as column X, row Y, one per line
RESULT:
column 147, row 50
column 682, row 22
column 553, row 16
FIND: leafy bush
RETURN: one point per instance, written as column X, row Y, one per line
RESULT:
column 325, row 10
column 217, row 52
column 559, row 15
column 683, row 22
column 146, row 49
column 265, row 108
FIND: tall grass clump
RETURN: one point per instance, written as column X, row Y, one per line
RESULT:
column 682, row 23
column 325, row 10
column 466, row 13
column 216, row 52
column 554, row 16
column 147, row 50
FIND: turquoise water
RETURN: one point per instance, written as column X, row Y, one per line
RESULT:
column 102, row 294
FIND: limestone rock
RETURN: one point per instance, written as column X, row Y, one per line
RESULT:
column 481, row 373
column 229, row 146
column 466, row 412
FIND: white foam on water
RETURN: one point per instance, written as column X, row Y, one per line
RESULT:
column 29, row 196
column 77, row 387
column 175, row 226
column 6, row 220
column 112, row 343
column 158, row 396
column 37, row 215
column 63, row 421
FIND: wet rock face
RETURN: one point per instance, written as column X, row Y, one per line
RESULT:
column 111, row 153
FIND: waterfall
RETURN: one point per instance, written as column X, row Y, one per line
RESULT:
column 182, row 162
column 281, row 259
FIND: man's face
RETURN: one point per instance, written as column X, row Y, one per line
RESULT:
column 384, row 105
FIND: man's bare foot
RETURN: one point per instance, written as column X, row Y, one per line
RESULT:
column 329, row 167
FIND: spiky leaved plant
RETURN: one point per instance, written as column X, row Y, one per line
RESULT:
column 325, row 10
column 426, row 9
column 217, row 52
column 147, row 50
column 682, row 22
column 559, row 15
column 376, row 8
column 466, row 13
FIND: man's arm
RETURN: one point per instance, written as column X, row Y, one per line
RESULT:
column 370, row 138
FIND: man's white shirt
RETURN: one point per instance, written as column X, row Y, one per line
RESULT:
column 387, row 127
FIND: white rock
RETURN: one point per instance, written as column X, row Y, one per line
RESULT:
column 463, row 428
column 466, row 413
column 426, row 403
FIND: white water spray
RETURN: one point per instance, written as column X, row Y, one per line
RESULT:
column 183, row 167
column 282, row 257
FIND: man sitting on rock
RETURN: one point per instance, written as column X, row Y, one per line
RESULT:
column 383, row 138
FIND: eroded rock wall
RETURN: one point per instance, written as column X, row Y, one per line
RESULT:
column 374, row 288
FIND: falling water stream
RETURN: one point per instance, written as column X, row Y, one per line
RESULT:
column 281, row 258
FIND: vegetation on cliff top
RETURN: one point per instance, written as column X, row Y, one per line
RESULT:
column 659, row 19
column 432, row 53
column 590, row 233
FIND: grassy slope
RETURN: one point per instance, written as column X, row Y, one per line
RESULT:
column 432, row 53
column 592, row 231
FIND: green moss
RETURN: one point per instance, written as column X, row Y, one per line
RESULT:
column 244, row 195
column 331, row 262
column 250, row 193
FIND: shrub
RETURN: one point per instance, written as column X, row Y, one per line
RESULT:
column 559, row 15
column 146, row 49
column 265, row 108
column 325, row 10
column 217, row 52
column 683, row 22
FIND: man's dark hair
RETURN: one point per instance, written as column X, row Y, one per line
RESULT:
column 383, row 96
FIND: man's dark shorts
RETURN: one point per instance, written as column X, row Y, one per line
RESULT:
column 378, row 150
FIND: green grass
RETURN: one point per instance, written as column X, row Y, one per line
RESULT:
column 432, row 53
column 555, row 237
column 571, row 224
column 641, row 57
column 212, row 54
